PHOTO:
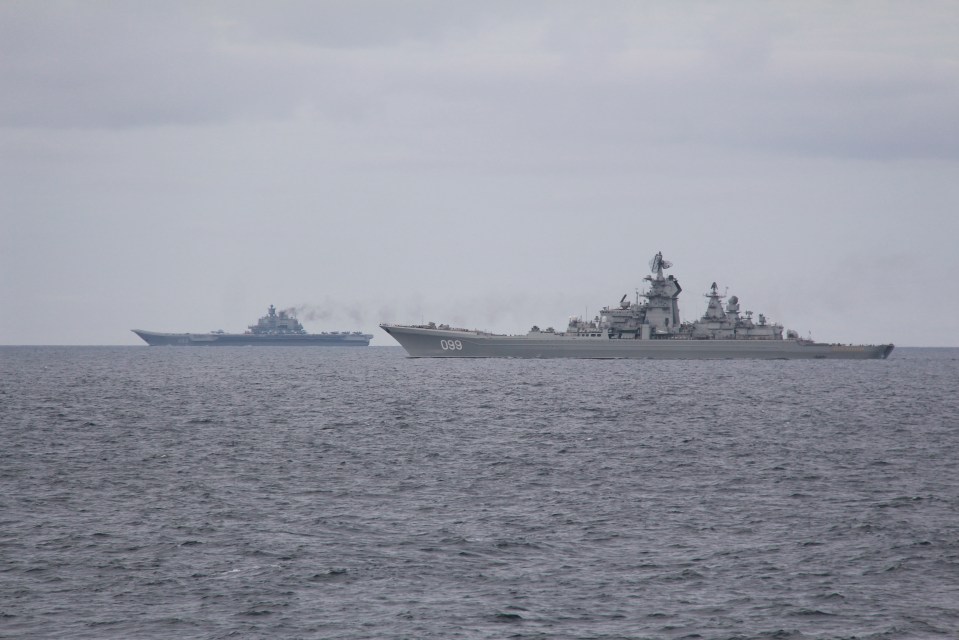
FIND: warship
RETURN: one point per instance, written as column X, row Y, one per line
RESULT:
column 276, row 328
column 642, row 329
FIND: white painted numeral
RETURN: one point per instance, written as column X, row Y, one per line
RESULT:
column 451, row 345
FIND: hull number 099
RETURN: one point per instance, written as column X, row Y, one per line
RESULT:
column 451, row 345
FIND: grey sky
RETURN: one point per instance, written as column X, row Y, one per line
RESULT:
column 180, row 166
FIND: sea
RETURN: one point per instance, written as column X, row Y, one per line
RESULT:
column 163, row 492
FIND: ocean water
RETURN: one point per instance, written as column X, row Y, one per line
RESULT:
column 339, row 493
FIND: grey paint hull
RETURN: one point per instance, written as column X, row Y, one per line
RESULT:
column 155, row 339
column 422, row 342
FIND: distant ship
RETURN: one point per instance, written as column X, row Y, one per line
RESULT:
column 277, row 328
column 647, row 329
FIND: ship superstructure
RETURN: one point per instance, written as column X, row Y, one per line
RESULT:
column 276, row 324
column 658, row 316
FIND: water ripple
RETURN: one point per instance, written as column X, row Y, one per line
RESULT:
column 155, row 493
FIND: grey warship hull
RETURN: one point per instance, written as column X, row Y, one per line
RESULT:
column 423, row 342
column 647, row 329
column 278, row 328
column 155, row 339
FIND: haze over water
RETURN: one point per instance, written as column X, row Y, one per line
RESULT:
column 335, row 493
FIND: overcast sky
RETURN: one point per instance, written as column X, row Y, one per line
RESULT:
column 179, row 166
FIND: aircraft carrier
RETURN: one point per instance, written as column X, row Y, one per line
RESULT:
column 642, row 329
column 276, row 329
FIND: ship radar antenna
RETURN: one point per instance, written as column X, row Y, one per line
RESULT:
column 658, row 263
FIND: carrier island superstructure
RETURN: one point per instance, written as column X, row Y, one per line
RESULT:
column 275, row 329
column 650, row 328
